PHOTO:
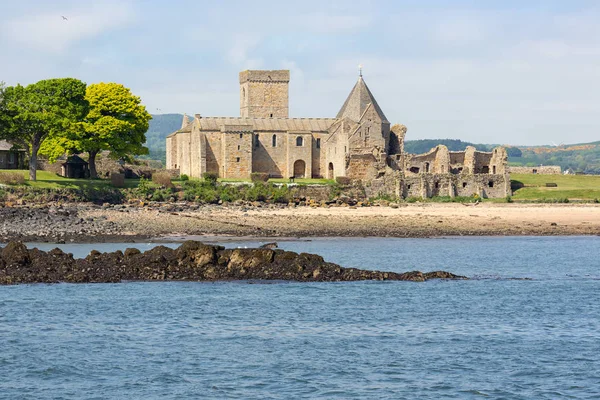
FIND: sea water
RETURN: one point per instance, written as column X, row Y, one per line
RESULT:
column 496, row 336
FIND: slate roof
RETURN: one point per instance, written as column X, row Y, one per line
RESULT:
column 75, row 160
column 357, row 102
column 6, row 146
column 268, row 124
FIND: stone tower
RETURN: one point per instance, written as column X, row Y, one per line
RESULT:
column 264, row 94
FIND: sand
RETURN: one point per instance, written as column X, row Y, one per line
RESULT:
column 410, row 220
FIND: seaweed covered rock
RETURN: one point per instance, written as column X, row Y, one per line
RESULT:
column 192, row 261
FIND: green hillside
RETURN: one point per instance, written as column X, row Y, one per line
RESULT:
column 161, row 125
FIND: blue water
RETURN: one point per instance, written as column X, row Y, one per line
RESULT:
column 492, row 337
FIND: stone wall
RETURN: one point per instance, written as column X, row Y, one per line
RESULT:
column 543, row 170
column 443, row 185
column 264, row 94
column 363, row 167
column 270, row 154
column 236, row 154
column 299, row 154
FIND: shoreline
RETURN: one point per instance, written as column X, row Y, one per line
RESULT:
column 87, row 223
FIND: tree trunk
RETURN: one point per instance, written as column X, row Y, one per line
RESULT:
column 35, row 146
column 92, row 162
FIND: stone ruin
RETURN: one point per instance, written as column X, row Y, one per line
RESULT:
column 358, row 143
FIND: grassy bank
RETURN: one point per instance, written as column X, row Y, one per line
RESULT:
column 571, row 187
column 49, row 180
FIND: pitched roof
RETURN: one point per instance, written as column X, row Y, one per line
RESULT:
column 268, row 124
column 6, row 146
column 75, row 159
column 357, row 102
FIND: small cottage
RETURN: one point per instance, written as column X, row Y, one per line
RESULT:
column 75, row 167
column 10, row 157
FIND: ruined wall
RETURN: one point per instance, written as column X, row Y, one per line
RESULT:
column 363, row 167
column 544, row 170
column 498, row 161
column 442, row 185
column 264, row 94
column 420, row 163
column 482, row 163
column 457, row 162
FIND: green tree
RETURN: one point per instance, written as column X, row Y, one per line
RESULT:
column 44, row 110
column 116, row 122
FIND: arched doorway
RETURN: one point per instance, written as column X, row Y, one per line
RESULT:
column 330, row 174
column 299, row 169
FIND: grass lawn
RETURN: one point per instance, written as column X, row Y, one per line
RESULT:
column 49, row 180
column 573, row 187
column 304, row 181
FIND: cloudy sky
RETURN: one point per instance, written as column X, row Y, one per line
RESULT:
column 509, row 71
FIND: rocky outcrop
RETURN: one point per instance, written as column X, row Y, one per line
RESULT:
column 192, row 261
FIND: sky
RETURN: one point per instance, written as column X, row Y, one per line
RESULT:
column 504, row 72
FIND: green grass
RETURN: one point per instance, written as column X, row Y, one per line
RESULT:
column 305, row 181
column 49, row 180
column 572, row 187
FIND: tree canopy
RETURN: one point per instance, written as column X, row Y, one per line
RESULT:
column 40, row 111
column 116, row 122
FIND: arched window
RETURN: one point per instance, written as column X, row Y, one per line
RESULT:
column 274, row 141
column 299, row 141
column 318, row 143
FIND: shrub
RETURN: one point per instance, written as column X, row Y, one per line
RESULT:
column 509, row 199
column 596, row 201
column 184, row 177
column 259, row 177
column 162, row 179
column 210, row 177
column 12, row 178
column 2, row 194
column 343, row 180
column 145, row 187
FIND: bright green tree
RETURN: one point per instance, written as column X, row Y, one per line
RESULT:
column 44, row 110
column 116, row 122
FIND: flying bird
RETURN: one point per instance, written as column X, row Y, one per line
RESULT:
column 64, row 18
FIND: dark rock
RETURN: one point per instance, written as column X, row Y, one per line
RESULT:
column 191, row 261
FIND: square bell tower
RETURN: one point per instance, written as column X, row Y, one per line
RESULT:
column 264, row 94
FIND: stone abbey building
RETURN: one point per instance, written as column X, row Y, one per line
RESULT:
column 358, row 143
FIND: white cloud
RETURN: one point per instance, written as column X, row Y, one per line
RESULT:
column 49, row 32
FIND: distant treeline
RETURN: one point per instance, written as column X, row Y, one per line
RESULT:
column 424, row 145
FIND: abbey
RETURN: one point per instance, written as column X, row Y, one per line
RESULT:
column 358, row 143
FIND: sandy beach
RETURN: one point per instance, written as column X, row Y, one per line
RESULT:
column 89, row 223
column 412, row 220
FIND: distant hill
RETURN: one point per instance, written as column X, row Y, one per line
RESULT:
column 161, row 125
column 582, row 157
column 424, row 145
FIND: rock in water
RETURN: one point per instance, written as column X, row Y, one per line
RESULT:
column 192, row 261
